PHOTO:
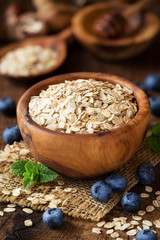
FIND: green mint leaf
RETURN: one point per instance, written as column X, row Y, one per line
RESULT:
column 154, row 143
column 27, row 182
column 156, row 130
column 45, row 174
column 18, row 168
column 32, row 167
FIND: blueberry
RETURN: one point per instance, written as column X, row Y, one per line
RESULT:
column 155, row 105
column 146, row 234
column 142, row 86
column 117, row 182
column 8, row 106
column 11, row 134
column 146, row 173
column 131, row 202
column 101, row 191
column 53, row 217
column 153, row 82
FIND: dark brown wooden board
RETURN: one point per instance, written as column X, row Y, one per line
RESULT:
column 11, row 224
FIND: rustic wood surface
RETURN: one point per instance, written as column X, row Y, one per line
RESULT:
column 11, row 224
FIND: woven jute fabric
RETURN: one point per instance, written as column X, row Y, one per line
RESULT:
column 71, row 195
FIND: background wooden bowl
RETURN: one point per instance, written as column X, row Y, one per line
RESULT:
column 84, row 155
column 114, row 49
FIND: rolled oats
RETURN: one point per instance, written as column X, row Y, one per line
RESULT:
column 147, row 222
column 157, row 223
column 28, row 223
column 9, row 209
column 157, row 193
column 1, row 213
column 144, row 195
column 132, row 232
column 27, row 210
column 109, row 231
column 83, row 106
column 100, row 224
column 27, row 61
column 155, row 203
column 141, row 212
column 115, row 235
column 150, row 208
column 148, row 189
column 96, row 230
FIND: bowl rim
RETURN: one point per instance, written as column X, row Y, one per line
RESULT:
column 142, row 102
column 81, row 33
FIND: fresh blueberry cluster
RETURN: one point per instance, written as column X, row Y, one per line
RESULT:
column 102, row 190
column 152, row 82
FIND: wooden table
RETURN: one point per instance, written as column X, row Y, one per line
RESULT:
column 12, row 224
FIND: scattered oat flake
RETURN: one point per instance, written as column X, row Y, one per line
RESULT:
column 148, row 189
column 100, row 224
column 27, row 210
column 155, row 203
column 28, row 223
column 150, row 208
column 115, row 235
column 132, row 232
column 144, row 226
column 147, row 222
column 158, row 198
column 16, row 192
column 134, row 222
column 1, row 213
column 61, row 183
column 6, row 192
column 157, row 193
column 96, row 230
column 67, row 189
column 9, row 209
column 157, row 223
column 11, row 205
column 139, row 228
column 137, row 218
column 141, row 212
column 117, row 226
column 125, row 226
column 109, row 231
column 109, row 225
column 119, row 238
column 144, row 195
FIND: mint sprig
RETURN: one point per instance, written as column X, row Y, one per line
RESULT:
column 32, row 172
column 154, row 140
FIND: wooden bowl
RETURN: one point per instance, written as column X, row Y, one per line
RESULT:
column 84, row 155
column 58, row 42
column 113, row 49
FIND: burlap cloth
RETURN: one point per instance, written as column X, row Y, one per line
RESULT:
column 74, row 196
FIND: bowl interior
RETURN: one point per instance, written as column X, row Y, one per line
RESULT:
column 140, row 96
